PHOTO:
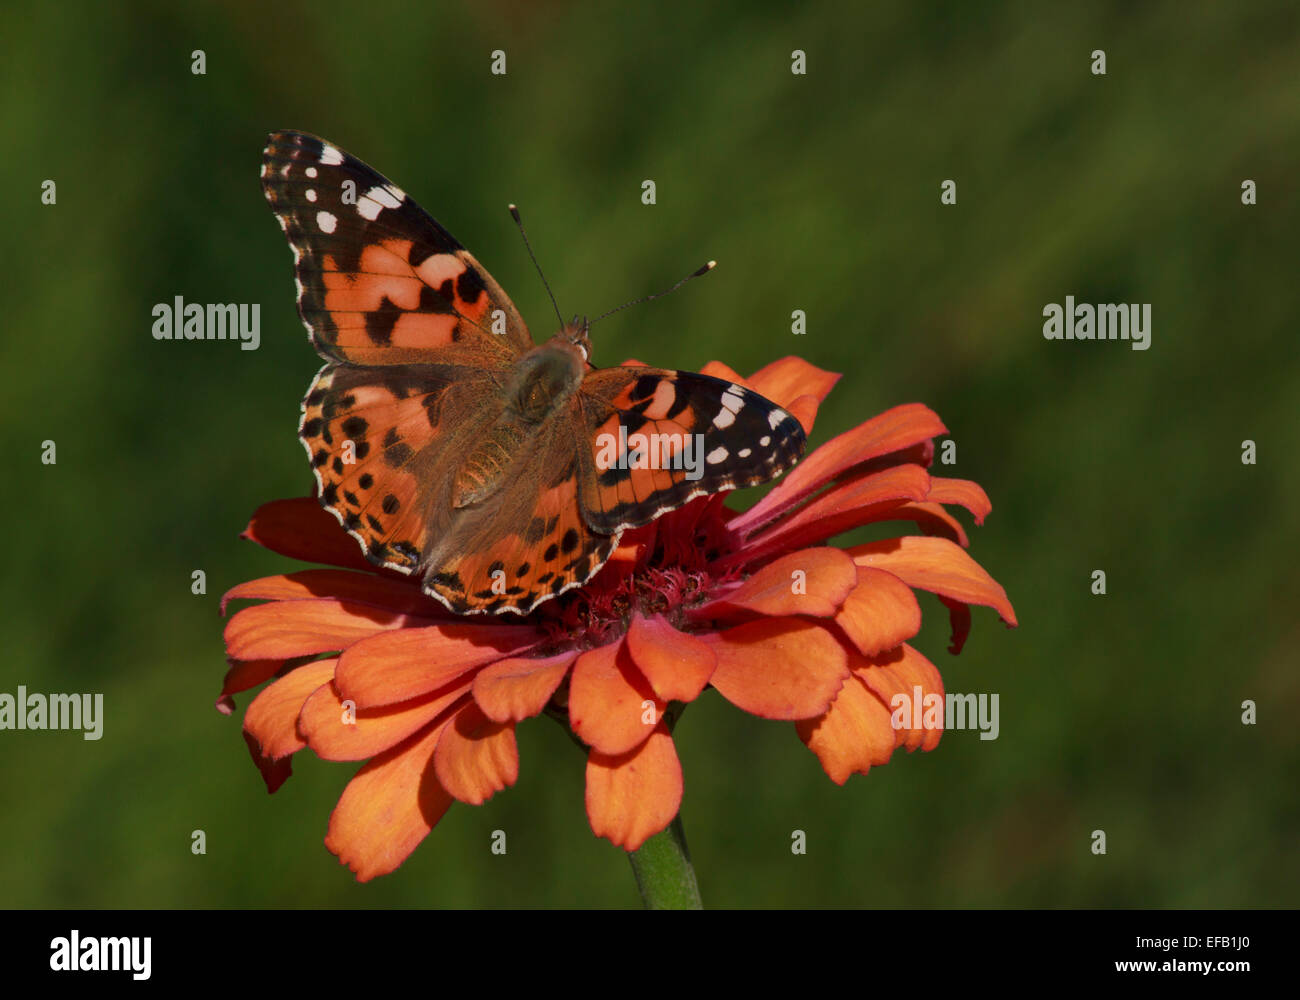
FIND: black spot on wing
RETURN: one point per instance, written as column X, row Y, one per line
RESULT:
column 437, row 300
column 397, row 455
column 380, row 322
column 469, row 286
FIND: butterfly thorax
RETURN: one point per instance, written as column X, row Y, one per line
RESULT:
column 543, row 380
column 538, row 388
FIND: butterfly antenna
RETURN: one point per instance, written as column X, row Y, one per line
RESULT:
column 705, row 269
column 514, row 211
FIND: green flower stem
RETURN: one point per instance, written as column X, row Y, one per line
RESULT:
column 664, row 873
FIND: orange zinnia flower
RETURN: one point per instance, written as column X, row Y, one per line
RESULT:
column 752, row 604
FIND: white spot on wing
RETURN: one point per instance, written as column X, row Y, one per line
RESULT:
column 326, row 221
column 716, row 455
column 311, row 171
column 732, row 399
column 726, row 417
column 764, row 441
column 775, row 417
column 311, row 194
column 329, row 155
column 374, row 201
column 744, row 453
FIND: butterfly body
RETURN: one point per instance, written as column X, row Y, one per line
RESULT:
column 449, row 444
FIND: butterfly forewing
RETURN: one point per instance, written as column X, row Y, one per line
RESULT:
column 379, row 281
column 659, row 438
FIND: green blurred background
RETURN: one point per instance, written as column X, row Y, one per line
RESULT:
column 816, row 192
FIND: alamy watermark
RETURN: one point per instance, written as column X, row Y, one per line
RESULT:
column 1107, row 321
column 181, row 320
column 919, row 710
column 75, row 953
column 655, row 451
column 55, row 711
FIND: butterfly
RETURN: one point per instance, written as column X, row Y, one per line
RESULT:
column 452, row 447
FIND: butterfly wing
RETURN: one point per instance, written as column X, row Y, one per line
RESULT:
column 383, row 443
column 416, row 333
column 380, row 282
column 658, row 438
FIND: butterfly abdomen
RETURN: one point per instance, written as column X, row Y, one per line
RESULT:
column 484, row 471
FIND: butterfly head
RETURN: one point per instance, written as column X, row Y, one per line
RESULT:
column 575, row 332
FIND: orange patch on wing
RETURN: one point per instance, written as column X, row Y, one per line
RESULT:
column 439, row 268
column 664, row 397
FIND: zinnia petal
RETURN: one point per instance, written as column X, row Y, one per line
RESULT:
column 632, row 796
column 398, row 666
column 476, row 757
column 858, row 732
column 341, row 584
column 930, row 518
column 937, row 565
column 677, row 664
column 389, row 806
column 719, row 369
column 336, row 733
column 853, row 735
column 807, row 582
column 962, row 492
column 245, row 674
column 902, row 671
column 283, row 629
column 271, row 719
column 880, row 612
column 788, row 378
column 302, row 529
column 518, row 688
column 845, row 506
column 612, row 706
column 779, row 668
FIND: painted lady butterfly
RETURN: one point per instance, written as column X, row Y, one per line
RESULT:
column 451, row 446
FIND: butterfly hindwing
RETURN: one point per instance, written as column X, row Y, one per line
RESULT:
column 381, row 442
column 658, row 438
column 380, row 282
